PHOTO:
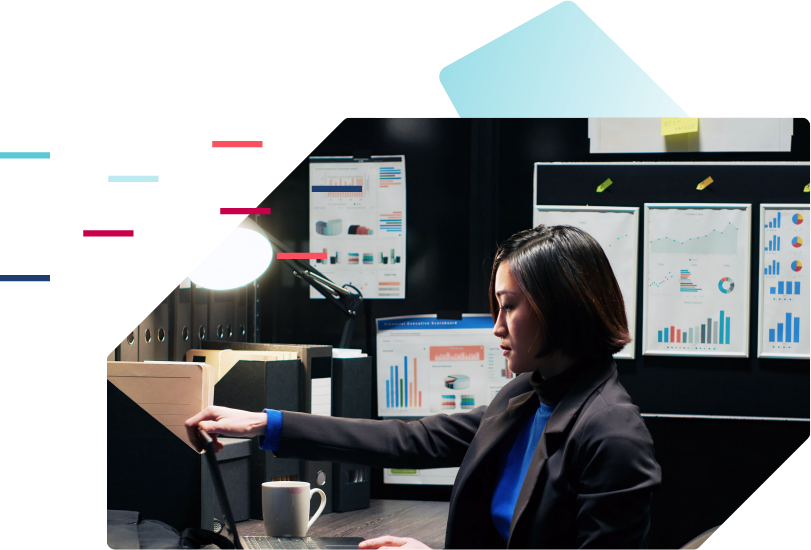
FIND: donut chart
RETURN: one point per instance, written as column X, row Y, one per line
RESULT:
column 726, row 285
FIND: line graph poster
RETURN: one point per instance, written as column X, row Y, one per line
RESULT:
column 357, row 216
column 617, row 231
column 783, row 312
column 696, row 288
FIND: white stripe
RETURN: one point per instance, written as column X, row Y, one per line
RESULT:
column 727, row 417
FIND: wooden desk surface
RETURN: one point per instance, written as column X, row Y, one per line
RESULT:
column 422, row 520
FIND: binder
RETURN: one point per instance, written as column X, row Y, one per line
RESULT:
column 257, row 385
column 315, row 361
column 314, row 356
column 169, row 392
column 152, row 471
column 149, row 469
column 351, row 398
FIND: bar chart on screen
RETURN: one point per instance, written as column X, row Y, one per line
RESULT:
column 697, row 279
column 784, row 306
column 427, row 365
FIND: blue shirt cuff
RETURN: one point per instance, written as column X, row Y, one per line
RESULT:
column 273, row 431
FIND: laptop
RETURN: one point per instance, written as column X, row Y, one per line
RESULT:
column 230, row 529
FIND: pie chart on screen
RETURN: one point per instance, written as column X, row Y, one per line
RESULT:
column 797, row 219
column 796, row 242
column 796, row 266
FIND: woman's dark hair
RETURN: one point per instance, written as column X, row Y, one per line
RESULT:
column 569, row 284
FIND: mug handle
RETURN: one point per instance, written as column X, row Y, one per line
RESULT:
column 320, row 508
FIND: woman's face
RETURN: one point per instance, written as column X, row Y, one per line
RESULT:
column 517, row 325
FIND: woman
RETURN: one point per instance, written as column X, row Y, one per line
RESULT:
column 559, row 459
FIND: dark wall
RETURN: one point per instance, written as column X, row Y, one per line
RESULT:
column 469, row 187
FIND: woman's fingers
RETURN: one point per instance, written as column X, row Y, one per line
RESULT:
column 389, row 541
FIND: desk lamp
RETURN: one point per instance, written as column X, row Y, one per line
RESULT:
column 247, row 253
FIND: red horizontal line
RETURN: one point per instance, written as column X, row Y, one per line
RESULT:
column 302, row 255
column 229, row 218
column 263, row 146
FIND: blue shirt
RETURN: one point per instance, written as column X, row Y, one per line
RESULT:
column 513, row 469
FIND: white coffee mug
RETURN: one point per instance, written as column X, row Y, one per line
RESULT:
column 286, row 508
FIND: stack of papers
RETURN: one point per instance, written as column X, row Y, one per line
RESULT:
column 345, row 353
column 223, row 360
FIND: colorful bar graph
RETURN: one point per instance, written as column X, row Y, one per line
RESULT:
column 712, row 332
column 402, row 392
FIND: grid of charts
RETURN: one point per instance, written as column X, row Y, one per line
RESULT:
column 784, row 263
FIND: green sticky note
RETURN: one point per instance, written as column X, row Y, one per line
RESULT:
column 401, row 472
column 603, row 186
column 671, row 126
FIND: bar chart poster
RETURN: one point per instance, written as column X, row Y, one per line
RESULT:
column 357, row 218
column 427, row 365
column 696, row 288
column 617, row 231
column 783, row 313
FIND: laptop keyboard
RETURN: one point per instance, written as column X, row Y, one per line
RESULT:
column 287, row 543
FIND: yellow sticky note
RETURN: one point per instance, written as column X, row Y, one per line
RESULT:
column 704, row 184
column 603, row 186
column 807, row 185
column 672, row 126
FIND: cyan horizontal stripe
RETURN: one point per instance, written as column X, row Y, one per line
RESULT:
column 132, row 179
column 25, row 155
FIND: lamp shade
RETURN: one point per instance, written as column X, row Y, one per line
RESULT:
column 242, row 257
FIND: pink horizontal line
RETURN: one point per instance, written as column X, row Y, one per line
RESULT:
column 108, row 233
column 263, row 146
column 244, row 210
column 302, row 255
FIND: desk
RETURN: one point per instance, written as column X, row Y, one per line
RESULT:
column 422, row 520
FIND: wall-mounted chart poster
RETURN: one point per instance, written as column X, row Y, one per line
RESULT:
column 696, row 288
column 617, row 231
column 783, row 296
column 358, row 217
column 427, row 365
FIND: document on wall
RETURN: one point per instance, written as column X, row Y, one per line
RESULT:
column 643, row 135
column 617, row 231
column 783, row 291
column 427, row 365
column 357, row 217
column 696, row 288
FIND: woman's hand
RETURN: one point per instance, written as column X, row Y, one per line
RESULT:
column 225, row 421
column 391, row 542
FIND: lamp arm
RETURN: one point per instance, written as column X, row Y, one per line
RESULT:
column 348, row 302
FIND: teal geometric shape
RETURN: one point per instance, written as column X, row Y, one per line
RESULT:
column 592, row 58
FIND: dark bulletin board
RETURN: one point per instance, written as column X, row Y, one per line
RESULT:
column 695, row 385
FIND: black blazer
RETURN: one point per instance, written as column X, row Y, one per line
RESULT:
column 589, row 484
